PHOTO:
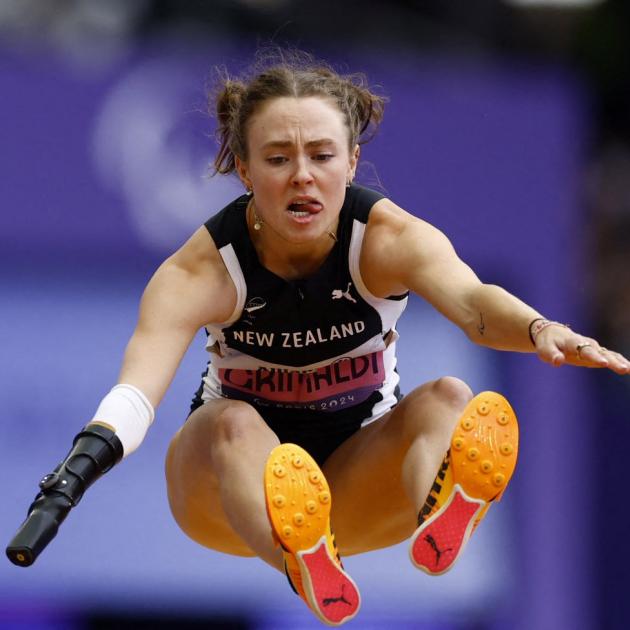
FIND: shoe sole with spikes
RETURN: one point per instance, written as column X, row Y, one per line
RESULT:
column 482, row 458
column 298, row 505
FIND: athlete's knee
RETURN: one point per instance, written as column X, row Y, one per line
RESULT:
column 447, row 390
column 219, row 422
column 451, row 391
column 434, row 407
column 234, row 421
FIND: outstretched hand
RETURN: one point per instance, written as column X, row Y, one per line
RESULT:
column 557, row 345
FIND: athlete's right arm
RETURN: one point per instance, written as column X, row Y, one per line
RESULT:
column 190, row 289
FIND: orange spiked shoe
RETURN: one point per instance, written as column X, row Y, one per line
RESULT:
column 474, row 474
column 298, row 505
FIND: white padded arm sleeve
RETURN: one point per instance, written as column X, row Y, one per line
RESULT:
column 128, row 411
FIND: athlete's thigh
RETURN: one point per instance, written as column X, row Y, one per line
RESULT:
column 193, row 488
column 371, row 509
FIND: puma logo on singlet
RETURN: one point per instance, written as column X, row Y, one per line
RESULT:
column 337, row 294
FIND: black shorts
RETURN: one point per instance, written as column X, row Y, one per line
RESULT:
column 317, row 432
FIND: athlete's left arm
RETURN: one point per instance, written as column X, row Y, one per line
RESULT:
column 403, row 252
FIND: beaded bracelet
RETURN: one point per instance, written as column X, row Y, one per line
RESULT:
column 536, row 326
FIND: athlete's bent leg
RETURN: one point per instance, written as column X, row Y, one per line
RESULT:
column 427, row 421
column 214, row 471
column 382, row 475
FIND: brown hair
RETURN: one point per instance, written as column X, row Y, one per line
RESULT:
column 279, row 73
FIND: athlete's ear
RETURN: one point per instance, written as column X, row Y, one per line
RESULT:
column 354, row 160
column 243, row 172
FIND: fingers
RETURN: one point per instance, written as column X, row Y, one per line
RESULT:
column 551, row 353
column 558, row 349
column 616, row 362
column 590, row 354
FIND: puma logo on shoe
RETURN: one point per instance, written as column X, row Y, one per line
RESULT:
column 438, row 551
column 334, row 600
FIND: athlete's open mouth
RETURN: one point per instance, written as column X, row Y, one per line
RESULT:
column 304, row 206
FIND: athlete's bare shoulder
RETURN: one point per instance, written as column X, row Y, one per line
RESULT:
column 199, row 254
column 397, row 246
column 196, row 273
column 386, row 225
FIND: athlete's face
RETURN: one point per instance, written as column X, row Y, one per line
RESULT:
column 298, row 165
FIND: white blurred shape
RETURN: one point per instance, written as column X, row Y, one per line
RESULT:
column 89, row 34
column 138, row 154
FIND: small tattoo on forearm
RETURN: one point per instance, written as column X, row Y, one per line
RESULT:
column 481, row 327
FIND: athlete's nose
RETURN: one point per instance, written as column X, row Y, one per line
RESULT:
column 302, row 174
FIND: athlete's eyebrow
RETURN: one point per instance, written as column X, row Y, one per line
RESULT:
column 284, row 144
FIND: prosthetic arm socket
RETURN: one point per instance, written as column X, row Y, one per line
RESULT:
column 95, row 450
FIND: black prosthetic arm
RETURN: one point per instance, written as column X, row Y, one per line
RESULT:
column 94, row 451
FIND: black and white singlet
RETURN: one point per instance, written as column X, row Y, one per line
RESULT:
column 316, row 352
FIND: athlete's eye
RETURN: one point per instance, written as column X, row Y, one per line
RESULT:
column 323, row 157
column 277, row 159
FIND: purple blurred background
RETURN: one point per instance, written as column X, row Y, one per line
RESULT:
column 518, row 152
